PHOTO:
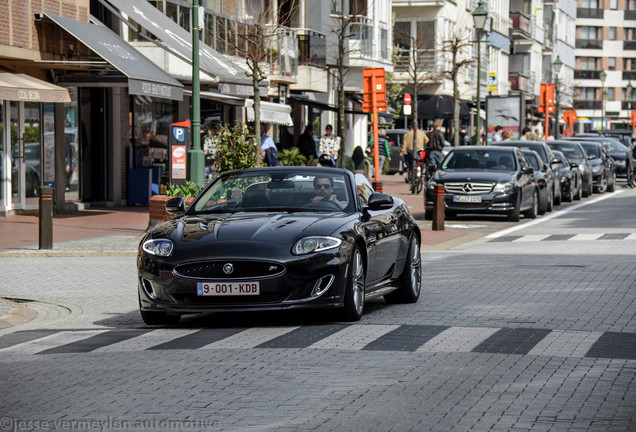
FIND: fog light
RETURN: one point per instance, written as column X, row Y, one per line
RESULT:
column 148, row 289
column 322, row 285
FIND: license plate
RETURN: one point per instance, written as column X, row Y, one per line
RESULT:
column 467, row 198
column 228, row 288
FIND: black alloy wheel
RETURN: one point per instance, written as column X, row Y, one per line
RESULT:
column 611, row 186
column 354, row 290
column 602, row 187
column 515, row 214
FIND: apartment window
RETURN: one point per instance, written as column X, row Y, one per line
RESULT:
column 611, row 63
column 588, row 93
column 358, row 7
column 588, row 63
column 612, row 33
column 614, row 4
column 589, row 4
column 631, row 5
column 384, row 43
column 611, row 93
column 426, row 35
column 589, row 32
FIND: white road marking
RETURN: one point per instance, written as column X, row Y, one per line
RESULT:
column 249, row 338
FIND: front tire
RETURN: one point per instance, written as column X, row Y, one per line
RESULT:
column 534, row 208
column 514, row 215
column 602, row 187
column 611, row 187
column 411, row 278
column 354, row 290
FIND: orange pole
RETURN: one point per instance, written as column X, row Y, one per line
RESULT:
column 374, row 115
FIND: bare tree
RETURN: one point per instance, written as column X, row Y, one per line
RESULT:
column 254, row 42
column 458, row 47
column 417, row 60
column 342, row 30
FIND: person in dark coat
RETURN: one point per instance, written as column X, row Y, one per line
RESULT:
column 307, row 145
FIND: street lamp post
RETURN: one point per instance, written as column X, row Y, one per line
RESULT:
column 196, row 159
column 628, row 96
column 602, row 77
column 558, row 64
column 479, row 16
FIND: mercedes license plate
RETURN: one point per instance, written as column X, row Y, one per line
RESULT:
column 228, row 288
column 467, row 198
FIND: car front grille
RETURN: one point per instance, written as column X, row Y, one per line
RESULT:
column 240, row 269
column 211, row 300
column 468, row 188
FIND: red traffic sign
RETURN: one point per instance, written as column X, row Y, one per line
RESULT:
column 407, row 99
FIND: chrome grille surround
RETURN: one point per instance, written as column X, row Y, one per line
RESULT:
column 469, row 188
column 240, row 269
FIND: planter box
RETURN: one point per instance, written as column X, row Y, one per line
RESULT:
column 157, row 207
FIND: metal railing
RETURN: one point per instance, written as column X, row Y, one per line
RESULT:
column 424, row 60
column 360, row 38
column 312, row 48
column 629, row 75
column 629, row 45
column 589, row 43
column 519, row 82
column 587, row 74
column 630, row 15
column 587, row 104
column 589, row 13
column 521, row 23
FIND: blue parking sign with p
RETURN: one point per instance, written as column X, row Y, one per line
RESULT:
column 179, row 133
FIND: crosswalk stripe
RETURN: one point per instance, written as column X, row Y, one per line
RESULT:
column 354, row 337
column 585, row 237
column 458, row 339
column 631, row 237
column 147, row 340
column 531, row 238
column 52, row 341
column 250, row 338
column 561, row 343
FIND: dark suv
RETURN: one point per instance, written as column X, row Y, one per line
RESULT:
column 552, row 171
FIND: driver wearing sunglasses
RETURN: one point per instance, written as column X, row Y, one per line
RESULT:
column 323, row 188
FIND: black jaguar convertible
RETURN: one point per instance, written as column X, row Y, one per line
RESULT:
column 280, row 238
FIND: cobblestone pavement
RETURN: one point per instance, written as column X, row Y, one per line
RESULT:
column 532, row 329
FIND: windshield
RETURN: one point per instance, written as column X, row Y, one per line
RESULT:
column 476, row 159
column 572, row 151
column 288, row 191
column 535, row 163
column 614, row 146
column 592, row 149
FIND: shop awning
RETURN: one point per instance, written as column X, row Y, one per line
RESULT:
column 218, row 97
column 270, row 112
column 16, row 86
column 144, row 77
column 177, row 38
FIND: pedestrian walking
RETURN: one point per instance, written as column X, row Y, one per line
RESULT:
column 307, row 145
column 497, row 136
column 434, row 155
column 384, row 150
column 415, row 140
column 329, row 146
column 269, row 151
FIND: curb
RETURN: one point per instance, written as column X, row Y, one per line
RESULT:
column 17, row 314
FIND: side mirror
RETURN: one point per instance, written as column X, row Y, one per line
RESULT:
column 380, row 201
column 573, row 165
column 176, row 206
column 590, row 157
column 527, row 170
column 557, row 161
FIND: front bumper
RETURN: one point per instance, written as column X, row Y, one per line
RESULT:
column 490, row 203
column 162, row 289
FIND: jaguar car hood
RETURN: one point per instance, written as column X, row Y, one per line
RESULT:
column 265, row 227
column 474, row 176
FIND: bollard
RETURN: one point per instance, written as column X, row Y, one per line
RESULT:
column 438, row 208
column 46, row 217
column 377, row 186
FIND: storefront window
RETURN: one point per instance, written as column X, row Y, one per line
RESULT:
column 32, row 148
column 71, row 148
column 152, row 120
column 2, row 150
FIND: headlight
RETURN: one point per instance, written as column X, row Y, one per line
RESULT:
column 503, row 188
column 620, row 163
column 596, row 169
column 431, row 185
column 161, row 247
column 309, row 245
column 583, row 168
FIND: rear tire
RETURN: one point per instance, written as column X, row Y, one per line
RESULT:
column 411, row 279
column 354, row 290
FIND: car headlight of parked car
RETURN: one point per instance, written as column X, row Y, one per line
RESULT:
column 583, row 168
column 160, row 247
column 313, row 244
column 596, row 169
column 620, row 163
column 504, row 188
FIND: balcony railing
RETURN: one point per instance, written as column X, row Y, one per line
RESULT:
column 519, row 82
column 589, row 13
column 629, row 45
column 312, row 48
column 361, row 37
column 423, row 60
column 587, row 74
column 630, row 15
column 587, row 104
column 283, row 57
column 628, row 105
column 521, row 23
column 589, row 43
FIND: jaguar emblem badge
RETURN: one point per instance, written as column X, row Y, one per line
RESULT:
column 228, row 268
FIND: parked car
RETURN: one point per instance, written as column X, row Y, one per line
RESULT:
column 571, row 184
column 552, row 175
column 624, row 158
column 577, row 154
column 280, row 238
column 486, row 179
column 603, row 167
column 545, row 202
column 396, row 165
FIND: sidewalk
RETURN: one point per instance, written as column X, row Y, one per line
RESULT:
column 116, row 231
